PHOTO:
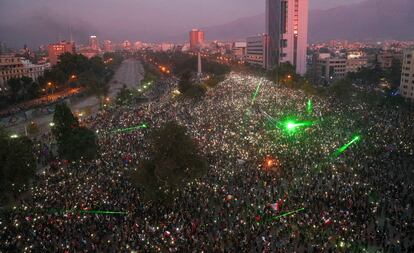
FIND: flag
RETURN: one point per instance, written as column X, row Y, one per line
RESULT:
column 277, row 206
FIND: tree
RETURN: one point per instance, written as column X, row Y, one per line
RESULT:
column 367, row 75
column 80, row 143
column 174, row 161
column 64, row 121
column 185, row 82
column 94, row 84
column 284, row 74
column 22, row 88
column 15, row 88
column 18, row 164
column 341, row 89
column 74, row 142
column 124, row 96
column 393, row 75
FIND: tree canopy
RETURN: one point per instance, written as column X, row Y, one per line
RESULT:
column 18, row 164
column 74, row 141
column 174, row 161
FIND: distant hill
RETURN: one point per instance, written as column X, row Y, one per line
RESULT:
column 371, row 19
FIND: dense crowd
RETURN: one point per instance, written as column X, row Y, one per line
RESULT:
column 358, row 201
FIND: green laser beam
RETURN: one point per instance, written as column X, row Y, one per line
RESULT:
column 88, row 211
column 309, row 106
column 287, row 214
column 256, row 92
column 346, row 146
column 130, row 129
column 292, row 126
column 102, row 212
column 64, row 211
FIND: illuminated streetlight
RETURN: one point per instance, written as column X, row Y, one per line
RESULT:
column 52, row 124
column 14, row 136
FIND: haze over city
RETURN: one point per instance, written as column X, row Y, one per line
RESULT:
column 36, row 22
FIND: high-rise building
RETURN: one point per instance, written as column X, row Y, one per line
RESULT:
column 138, row 45
column 107, row 46
column 196, row 38
column 55, row 50
column 256, row 50
column 287, row 27
column 94, row 43
column 126, row 45
column 407, row 75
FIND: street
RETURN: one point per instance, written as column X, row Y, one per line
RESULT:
column 130, row 73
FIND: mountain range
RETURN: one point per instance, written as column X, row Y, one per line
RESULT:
column 371, row 19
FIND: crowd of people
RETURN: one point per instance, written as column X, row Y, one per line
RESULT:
column 357, row 201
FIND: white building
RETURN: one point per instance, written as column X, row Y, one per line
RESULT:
column 94, row 43
column 256, row 50
column 239, row 49
column 330, row 69
column 167, row 47
column 287, row 27
column 407, row 75
column 12, row 66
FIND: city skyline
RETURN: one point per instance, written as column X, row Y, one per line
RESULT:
column 57, row 18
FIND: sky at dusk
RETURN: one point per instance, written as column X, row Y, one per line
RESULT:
column 148, row 19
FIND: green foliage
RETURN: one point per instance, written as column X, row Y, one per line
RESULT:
column 74, row 142
column 22, row 89
column 376, row 74
column 213, row 81
column 184, row 62
column 113, row 60
column 64, row 121
column 92, row 73
column 79, row 143
column 18, row 164
column 185, row 82
column 174, row 161
column 285, row 74
column 196, row 91
column 124, row 96
column 367, row 75
column 190, row 89
column 95, row 83
column 151, row 74
column 393, row 75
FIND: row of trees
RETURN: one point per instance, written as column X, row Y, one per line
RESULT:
column 342, row 90
column 18, row 163
column 376, row 74
column 185, row 66
column 73, row 70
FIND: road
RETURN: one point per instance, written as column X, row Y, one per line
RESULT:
column 130, row 73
